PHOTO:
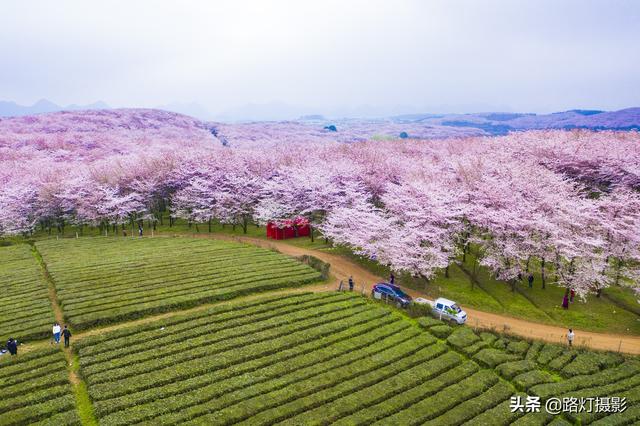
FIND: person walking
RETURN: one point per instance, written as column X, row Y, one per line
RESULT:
column 56, row 332
column 140, row 230
column 570, row 336
column 565, row 302
column 351, row 283
column 392, row 279
column 12, row 346
column 66, row 333
column 530, row 279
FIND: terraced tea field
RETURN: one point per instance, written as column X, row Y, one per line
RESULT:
column 103, row 280
column 36, row 390
column 26, row 310
column 334, row 358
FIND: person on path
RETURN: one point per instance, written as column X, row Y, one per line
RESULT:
column 530, row 279
column 12, row 346
column 570, row 337
column 351, row 283
column 67, row 335
column 56, row 332
column 565, row 302
column 392, row 279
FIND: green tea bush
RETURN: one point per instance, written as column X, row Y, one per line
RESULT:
column 493, row 357
column 441, row 331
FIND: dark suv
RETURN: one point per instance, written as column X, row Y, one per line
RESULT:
column 391, row 293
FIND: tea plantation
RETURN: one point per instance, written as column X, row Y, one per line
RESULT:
column 26, row 311
column 335, row 358
column 102, row 280
column 36, row 390
column 293, row 358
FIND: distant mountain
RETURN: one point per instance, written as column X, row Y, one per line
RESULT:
column 12, row 109
column 497, row 123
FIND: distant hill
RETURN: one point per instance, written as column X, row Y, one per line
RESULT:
column 497, row 123
column 12, row 109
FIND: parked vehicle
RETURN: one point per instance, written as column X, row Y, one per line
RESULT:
column 391, row 293
column 448, row 309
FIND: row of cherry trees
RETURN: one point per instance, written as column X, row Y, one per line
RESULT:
column 566, row 203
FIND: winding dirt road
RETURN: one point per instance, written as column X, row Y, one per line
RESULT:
column 342, row 268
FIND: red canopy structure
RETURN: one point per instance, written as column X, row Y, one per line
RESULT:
column 291, row 228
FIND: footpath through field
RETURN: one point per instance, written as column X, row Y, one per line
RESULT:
column 342, row 268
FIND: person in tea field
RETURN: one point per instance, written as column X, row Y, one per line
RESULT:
column 392, row 279
column 351, row 283
column 66, row 333
column 565, row 302
column 530, row 279
column 56, row 332
column 140, row 230
column 12, row 346
column 570, row 336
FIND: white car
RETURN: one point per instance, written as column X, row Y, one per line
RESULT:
column 448, row 309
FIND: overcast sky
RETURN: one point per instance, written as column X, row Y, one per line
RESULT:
column 324, row 55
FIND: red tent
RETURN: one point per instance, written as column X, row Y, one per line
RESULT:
column 298, row 227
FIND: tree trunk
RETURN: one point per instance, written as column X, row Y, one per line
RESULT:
column 209, row 224
column 446, row 272
column 311, row 233
column 542, row 275
column 245, row 225
column 527, row 265
column 513, row 285
column 599, row 292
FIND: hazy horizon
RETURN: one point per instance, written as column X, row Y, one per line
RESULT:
column 359, row 58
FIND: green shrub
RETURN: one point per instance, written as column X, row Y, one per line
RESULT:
column 428, row 322
column 531, row 378
column 416, row 310
column 549, row 352
column 441, row 331
column 534, row 350
column 462, row 337
column 519, row 347
column 472, row 349
column 398, row 402
column 559, row 362
column 493, row 357
column 501, row 344
column 471, row 408
column 488, row 337
column 35, row 387
column 606, row 377
column 511, row 369
column 501, row 414
column 446, row 399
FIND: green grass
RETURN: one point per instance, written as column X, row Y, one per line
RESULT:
column 26, row 312
column 611, row 313
column 36, row 389
column 104, row 280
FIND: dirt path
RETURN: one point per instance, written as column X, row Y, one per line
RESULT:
column 341, row 268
